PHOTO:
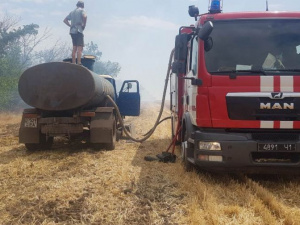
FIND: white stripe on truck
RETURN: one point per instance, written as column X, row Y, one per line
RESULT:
column 267, row 124
column 267, row 83
column 286, row 84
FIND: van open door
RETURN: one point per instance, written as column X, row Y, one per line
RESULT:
column 129, row 99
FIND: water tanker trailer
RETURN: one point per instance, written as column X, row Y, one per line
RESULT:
column 71, row 100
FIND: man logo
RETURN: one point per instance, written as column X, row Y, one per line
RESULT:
column 277, row 95
column 277, row 105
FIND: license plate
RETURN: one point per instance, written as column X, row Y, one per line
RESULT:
column 276, row 147
column 30, row 122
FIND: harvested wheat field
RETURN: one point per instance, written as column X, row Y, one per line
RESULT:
column 73, row 184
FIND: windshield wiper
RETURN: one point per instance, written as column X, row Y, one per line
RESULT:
column 285, row 70
column 240, row 71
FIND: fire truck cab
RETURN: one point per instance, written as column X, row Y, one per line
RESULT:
column 235, row 91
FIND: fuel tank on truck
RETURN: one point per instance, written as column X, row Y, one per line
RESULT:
column 59, row 86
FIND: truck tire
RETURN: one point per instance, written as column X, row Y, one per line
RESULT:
column 119, row 132
column 188, row 166
column 44, row 144
column 97, row 146
column 103, row 129
column 112, row 144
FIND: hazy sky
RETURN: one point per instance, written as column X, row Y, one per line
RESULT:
column 137, row 34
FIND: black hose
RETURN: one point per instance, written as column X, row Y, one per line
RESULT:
column 151, row 131
column 167, row 118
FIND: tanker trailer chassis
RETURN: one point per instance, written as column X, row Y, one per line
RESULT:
column 99, row 126
column 71, row 101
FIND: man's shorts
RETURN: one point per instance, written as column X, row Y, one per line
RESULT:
column 77, row 39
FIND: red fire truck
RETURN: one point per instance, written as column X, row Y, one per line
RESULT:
column 235, row 91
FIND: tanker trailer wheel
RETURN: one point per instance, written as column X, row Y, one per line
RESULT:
column 42, row 145
column 112, row 144
column 188, row 166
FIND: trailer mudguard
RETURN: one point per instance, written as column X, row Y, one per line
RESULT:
column 29, row 131
column 102, row 125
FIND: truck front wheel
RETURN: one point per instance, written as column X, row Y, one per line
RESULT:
column 185, row 145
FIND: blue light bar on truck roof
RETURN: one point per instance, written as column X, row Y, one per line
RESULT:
column 215, row 6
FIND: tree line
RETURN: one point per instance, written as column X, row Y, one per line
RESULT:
column 19, row 50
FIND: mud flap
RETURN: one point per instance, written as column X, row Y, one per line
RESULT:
column 29, row 131
column 102, row 126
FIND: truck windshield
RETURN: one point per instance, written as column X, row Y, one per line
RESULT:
column 254, row 46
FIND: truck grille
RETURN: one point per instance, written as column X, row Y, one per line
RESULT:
column 250, row 108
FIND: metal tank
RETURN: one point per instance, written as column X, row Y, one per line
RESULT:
column 60, row 86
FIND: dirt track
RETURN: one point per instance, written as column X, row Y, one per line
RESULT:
column 72, row 184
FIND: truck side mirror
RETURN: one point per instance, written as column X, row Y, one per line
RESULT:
column 181, row 48
column 208, row 44
column 193, row 11
column 205, row 31
column 178, row 67
column 181, row 51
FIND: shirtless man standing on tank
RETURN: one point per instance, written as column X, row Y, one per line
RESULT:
column 78, row 20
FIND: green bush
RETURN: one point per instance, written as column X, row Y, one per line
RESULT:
column 9, row 96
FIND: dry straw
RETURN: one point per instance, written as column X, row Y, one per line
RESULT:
column 73, row 184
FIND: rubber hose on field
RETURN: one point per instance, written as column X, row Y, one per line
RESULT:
column 151, row 131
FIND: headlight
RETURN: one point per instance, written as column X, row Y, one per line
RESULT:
column 211, row 146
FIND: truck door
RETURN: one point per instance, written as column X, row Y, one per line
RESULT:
column 192, row 90
column 129, row 99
